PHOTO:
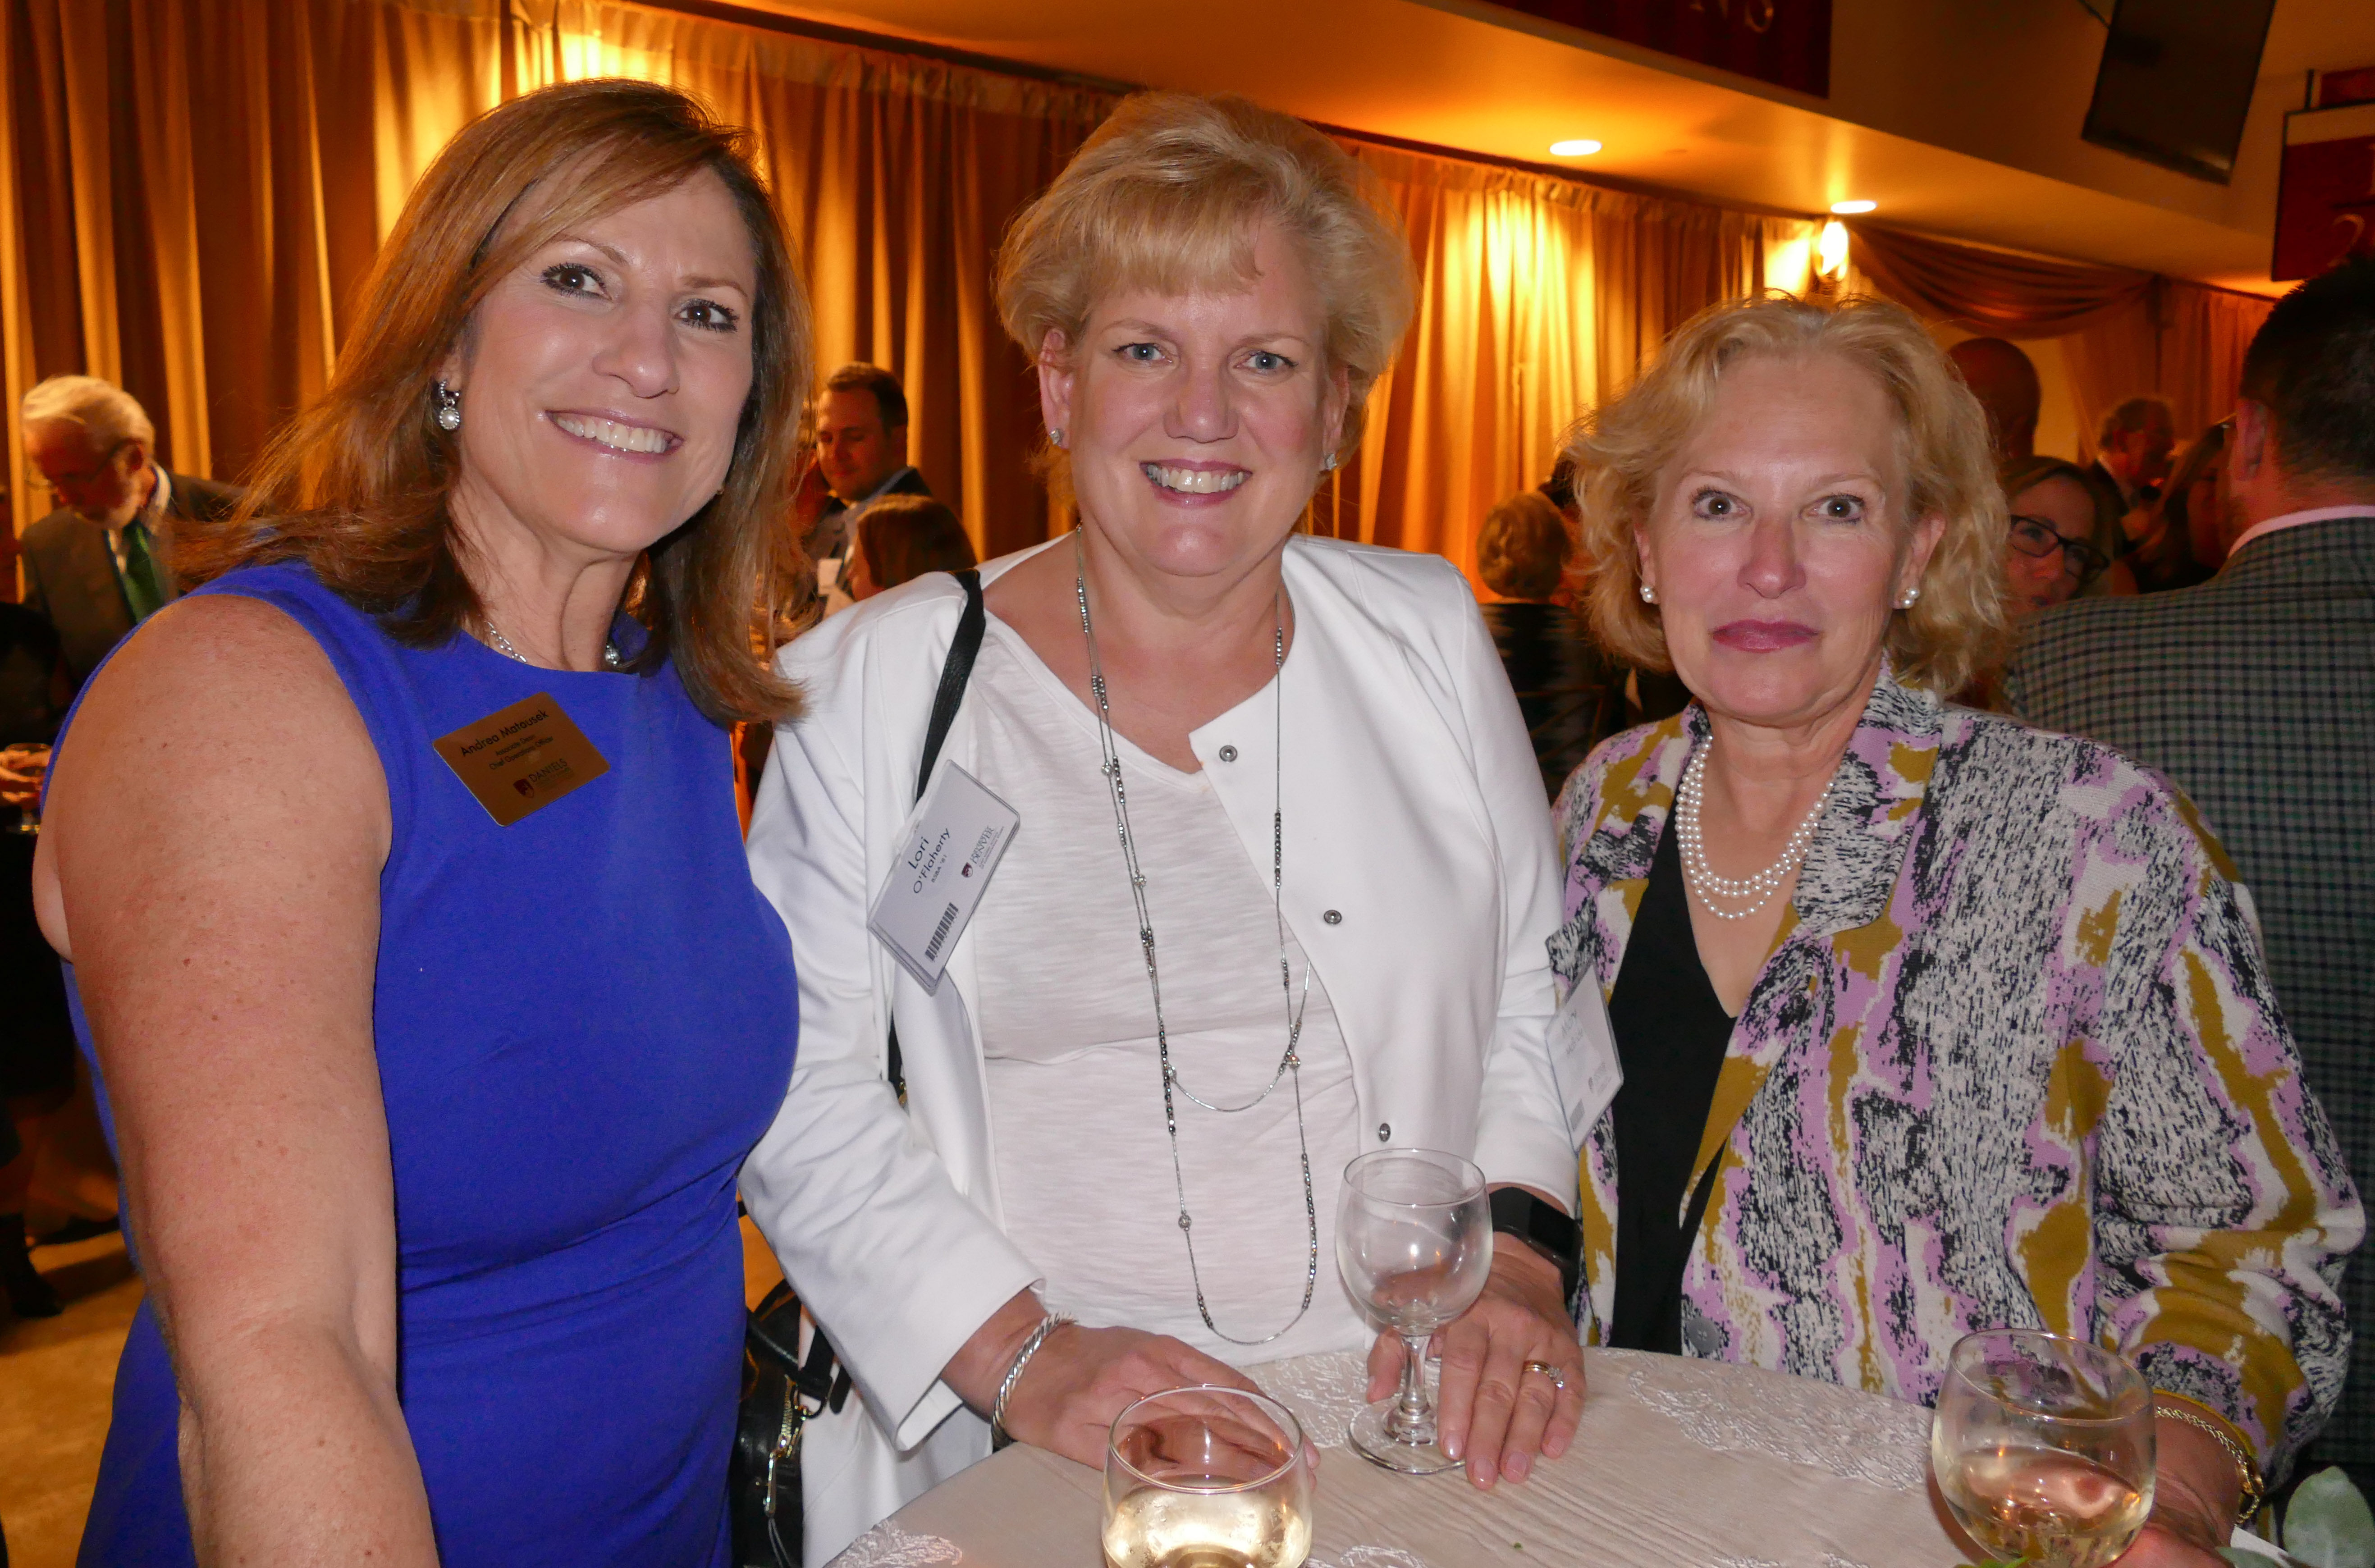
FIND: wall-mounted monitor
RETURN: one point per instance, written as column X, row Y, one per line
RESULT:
column 2176, row 82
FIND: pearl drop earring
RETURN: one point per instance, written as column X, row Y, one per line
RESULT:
column 1911, row 595
column 449, row 408
column 1648, row 594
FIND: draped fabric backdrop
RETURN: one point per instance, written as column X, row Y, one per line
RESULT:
column 192, row 191
column 2123, row 332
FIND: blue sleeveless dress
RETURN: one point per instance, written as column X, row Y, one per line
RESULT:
column 583, row 1021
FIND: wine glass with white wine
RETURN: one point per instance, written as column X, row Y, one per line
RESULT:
column 1207, row 1477
column 1414, row 1245
column 2043, row 1447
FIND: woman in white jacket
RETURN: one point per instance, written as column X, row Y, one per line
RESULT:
column 1277, row 894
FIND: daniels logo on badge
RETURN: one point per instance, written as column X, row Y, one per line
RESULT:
column 521, row 758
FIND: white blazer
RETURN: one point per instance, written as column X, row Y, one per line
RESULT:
column 1420, row 879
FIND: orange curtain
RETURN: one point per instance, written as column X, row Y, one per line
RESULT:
column 1537, row 298
column 191, row 192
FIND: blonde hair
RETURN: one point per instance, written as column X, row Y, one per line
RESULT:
column 1958, row 625
column 355, row 486
column 1167, row 196
column 107, row 413
column 1523, row 548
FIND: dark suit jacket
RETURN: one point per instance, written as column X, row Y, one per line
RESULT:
column 70, row 574
column 2253, row 693
column 832, row 535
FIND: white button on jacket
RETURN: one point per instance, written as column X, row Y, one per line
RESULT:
column 1411, row 796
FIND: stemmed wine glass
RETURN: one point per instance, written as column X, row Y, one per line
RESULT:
column 2043, row 1447
column 1207, row 1477
column 1414, row 1244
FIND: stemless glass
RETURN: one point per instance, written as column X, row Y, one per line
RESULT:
column 2043, row 1447
column 1207, row 1477
column 1413, row 1242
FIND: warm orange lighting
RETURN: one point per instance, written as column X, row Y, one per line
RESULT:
column 1581, row 148
column 1854, row 208
column 1831, row 251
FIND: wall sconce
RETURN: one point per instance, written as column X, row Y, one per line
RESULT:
column 1831, row 252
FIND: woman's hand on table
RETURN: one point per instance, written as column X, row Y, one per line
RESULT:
column 1493, row 1413
column 1079, row 1380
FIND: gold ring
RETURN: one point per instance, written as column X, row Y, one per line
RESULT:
column 1558, row 1378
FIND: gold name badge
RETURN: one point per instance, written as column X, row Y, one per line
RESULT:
column 521, row 758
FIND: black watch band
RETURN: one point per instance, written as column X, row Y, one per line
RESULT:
column 1531, row 1220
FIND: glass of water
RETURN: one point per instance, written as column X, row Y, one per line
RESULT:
column 2043, row 1447
column 1207, row 1477
column 1414, row 1244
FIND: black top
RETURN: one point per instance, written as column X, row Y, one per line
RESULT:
column 1670, row 1037
column 1563, row 686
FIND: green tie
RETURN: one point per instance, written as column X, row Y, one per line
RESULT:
column 143, row 589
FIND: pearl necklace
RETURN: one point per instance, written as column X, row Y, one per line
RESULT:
column 1701, row 877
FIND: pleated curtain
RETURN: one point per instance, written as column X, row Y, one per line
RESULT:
column 192, row 191
column 2123, row 332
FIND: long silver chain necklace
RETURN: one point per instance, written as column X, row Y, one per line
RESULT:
column 503, row 644
column 1701, row 877
column 1289, row 1065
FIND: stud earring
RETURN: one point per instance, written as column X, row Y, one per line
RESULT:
column 1056, row 437
column 1648, row 594
column 1911, row 595
column 449, row 408
column 1328, row 464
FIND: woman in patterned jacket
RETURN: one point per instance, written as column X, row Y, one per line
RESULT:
column 1930, row 1021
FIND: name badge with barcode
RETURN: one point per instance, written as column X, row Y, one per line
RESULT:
column 948, row 851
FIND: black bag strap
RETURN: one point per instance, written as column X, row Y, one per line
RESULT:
column 954, row 674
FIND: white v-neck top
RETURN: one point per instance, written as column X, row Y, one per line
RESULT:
column 1068, row 1030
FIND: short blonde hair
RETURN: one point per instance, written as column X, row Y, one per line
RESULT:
column 1523, row 548
column 109, row 415
column 1956, row 626
column 1167, row 196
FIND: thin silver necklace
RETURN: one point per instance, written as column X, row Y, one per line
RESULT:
column 1289, row 1065
column 503, row 644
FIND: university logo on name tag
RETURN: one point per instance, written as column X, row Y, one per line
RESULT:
column 948, row 851
column 521, row 758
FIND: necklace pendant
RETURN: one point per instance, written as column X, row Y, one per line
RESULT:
column 1184, row 1222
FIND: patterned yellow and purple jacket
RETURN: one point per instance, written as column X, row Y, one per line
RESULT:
column 2014, row 1059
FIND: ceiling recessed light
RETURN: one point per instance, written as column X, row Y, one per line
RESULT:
column 1583, row 147
column 1850, row 209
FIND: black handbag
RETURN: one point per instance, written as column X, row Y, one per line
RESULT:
column 781, row 1390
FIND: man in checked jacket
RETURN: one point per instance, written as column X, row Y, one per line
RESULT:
column 2255, row 693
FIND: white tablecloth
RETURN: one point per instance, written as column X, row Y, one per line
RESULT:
column 1678, row 1462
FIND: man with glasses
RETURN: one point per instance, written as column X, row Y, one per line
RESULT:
column 101, row 563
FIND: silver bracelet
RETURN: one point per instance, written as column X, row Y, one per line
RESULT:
column 1047, row 1325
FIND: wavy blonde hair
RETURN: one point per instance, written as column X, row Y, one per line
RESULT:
column 1956, row 628
column 1168, row 193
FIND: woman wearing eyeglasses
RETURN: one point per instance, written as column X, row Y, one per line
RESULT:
column 2064, row 524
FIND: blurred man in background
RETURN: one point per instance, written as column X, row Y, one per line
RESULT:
column 2004, row 382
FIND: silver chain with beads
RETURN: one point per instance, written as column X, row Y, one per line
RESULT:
column 1289, row 1065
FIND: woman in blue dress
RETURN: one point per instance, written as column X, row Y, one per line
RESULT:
column 398, row 874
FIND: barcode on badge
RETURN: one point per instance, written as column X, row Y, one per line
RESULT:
column 939, row 934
